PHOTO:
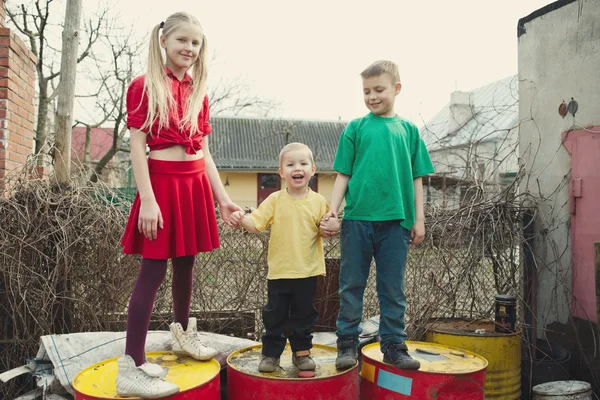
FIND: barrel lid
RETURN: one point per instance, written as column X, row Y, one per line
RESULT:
column 246, row 361
column 562, row 388
column 462, row 327
column 98, row 380
column 506, row 297
column 435, row 358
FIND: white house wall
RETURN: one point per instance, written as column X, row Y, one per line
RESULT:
column 479, row 161
column 559, row 55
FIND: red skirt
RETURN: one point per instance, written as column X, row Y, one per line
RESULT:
column 185, row 199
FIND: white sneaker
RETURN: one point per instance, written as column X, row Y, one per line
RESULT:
column 153, row 370
column 189, row 342
column 134, row 381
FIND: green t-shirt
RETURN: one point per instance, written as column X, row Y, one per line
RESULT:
column 382, row 156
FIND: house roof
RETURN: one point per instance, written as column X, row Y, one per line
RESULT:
column 252, row 143
column 101, row 142
column 495, row 113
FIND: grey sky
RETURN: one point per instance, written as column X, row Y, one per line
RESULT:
column 307, row 54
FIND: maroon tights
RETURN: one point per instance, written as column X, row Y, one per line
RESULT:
column 152, row 274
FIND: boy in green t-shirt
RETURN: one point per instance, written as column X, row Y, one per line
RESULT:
column 380, row 161
column 295, row 257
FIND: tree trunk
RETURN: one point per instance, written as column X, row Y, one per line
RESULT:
column 118, row 131
column 102, row 164
column 40, row 132
column 88, row 145
column 66, row 92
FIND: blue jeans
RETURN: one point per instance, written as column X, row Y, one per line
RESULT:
column 388, row 242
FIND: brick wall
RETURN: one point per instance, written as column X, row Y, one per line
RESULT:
column 17, row 98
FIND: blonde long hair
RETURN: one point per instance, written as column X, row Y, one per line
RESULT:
column 157, row 84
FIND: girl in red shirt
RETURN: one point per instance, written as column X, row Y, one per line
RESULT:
column 173, row 215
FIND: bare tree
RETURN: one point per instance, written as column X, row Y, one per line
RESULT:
column 232, row 97
column 113, row 72
column 34, row 20
column 116, row 62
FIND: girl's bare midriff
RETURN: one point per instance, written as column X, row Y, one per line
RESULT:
column 175, row 153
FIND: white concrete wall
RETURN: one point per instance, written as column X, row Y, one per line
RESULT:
column 495, row 157
column 460, row 111
column 559, row 55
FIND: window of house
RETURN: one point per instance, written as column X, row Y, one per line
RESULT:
column 314, row 183
column 269, row 181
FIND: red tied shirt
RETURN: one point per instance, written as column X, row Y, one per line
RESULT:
column 137, row 109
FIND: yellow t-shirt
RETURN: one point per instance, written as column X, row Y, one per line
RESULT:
column 295, row 246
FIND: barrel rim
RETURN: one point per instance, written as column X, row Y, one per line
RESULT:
column 256, row 346
column 484, row 368
column 152, row 353
column 506, row 297
column 431, row 328
column 542, row 386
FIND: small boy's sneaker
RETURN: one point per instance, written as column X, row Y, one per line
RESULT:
column 189, row 342
column 268, row 364
column 139, row 381
column 397, row 355
column 304, row 362
column 347, row 355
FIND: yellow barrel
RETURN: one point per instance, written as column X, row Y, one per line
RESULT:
column 501, row 350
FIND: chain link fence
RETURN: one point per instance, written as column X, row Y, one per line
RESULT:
column 62, row 270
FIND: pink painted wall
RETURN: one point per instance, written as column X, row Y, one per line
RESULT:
column 584, row 147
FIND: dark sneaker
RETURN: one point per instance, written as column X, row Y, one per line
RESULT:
column 397, row 355
column 304, row 363
column 268, row 364
column 347, row 353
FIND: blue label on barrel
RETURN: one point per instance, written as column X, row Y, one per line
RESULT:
column 395, row 383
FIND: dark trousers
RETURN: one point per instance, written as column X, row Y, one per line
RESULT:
column 290, row 303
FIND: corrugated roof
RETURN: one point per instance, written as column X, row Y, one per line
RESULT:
column 100, row 142
column 254, row 143
column 496, row 112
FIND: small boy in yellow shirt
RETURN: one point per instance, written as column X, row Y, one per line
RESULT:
column 295, row 257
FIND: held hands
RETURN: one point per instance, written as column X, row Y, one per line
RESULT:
column 417, row 233
column 150, row 219
column 236, row 219
column 227, row 210
column 329, row 225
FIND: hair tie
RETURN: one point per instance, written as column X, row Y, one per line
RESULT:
column 162, row 23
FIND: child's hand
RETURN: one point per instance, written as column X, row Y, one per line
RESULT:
column 332, row 225
column 326, row 234
column 330, row 214
column 227, row 210
column 329, row 225
column 417, row 233
column 150, row 219
column 236, row 219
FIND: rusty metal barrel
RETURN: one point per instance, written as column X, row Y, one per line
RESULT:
column 245, row 382
column 446, row 373
column 501, row 350
column 196, row 379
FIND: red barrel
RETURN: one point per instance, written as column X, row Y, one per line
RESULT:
column 446, row 373
column 198, row 380
column 245, row 382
